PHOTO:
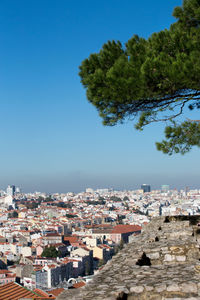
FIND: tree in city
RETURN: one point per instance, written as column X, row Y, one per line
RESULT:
column 50, row 252
column 69, row 216
column 151, row 80
column 115, row 199
column 13, row 214
column 101, row 263
column 32, row 204
column 111, row 208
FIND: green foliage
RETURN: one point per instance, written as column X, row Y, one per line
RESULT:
column 40, row 199
column 120, row 218
column 180, row 138
column 32, row 204
column 71, row 216
column 48, row 199
column 50, row 252
column 138, row 212
column 64, row 205
column 13, row 214
column 111, row 208
column 151, row 79
column 101, row 263
column 115, row 199
column 98, row 202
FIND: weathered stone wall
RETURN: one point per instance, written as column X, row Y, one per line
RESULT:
column 174, row 273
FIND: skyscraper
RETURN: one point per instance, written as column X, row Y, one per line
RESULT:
column 10, row 191
column 146, row 188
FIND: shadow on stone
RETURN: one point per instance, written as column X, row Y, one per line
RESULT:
column 156, row 239
column 193, row 220
column 144, row 260
column 167, row 220
column 122, row 296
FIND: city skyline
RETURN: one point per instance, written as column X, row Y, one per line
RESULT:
column 12, row 190
column 52, row 139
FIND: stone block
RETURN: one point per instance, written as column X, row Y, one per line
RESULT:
column 169, row 257
column 137, row 289
column 181, row 258
column 149, row 288
column 164, row 248
column 172, row 298
column 173, row 288
column 177, row 250
column 188, row 287
column 154, row 255
column 161, row 288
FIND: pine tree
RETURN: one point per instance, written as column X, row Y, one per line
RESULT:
column 151, row 80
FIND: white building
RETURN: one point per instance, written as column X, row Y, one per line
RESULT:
column 7, row 201
column 10, row 190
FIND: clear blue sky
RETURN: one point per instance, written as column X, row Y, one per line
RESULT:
column 51, row 138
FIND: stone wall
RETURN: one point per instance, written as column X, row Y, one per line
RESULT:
column 161, row 263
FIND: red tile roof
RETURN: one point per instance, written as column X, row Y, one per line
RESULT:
column 71, row 239
column 56, row 292
column 5, row 272
column 14, row 291
column 126, row 228
column 42, row 293
column 79, row 284
column 52, row 234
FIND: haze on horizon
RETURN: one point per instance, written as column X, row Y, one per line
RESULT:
column 52, row 139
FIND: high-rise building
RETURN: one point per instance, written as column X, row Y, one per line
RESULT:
column 146, row 188
column 10, row 191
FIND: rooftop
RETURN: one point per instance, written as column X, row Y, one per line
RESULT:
column 14, row 291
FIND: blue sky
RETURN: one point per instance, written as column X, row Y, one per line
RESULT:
column 52, row 139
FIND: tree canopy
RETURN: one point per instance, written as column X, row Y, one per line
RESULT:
column 50, row 252
column 151, row 80
column 13, row 214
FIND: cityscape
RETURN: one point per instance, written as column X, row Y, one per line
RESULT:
column 99, row 156
column 59, row 241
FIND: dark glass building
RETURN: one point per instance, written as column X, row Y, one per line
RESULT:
column 146, row 188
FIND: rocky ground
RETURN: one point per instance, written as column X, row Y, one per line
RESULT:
column 161, row 263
